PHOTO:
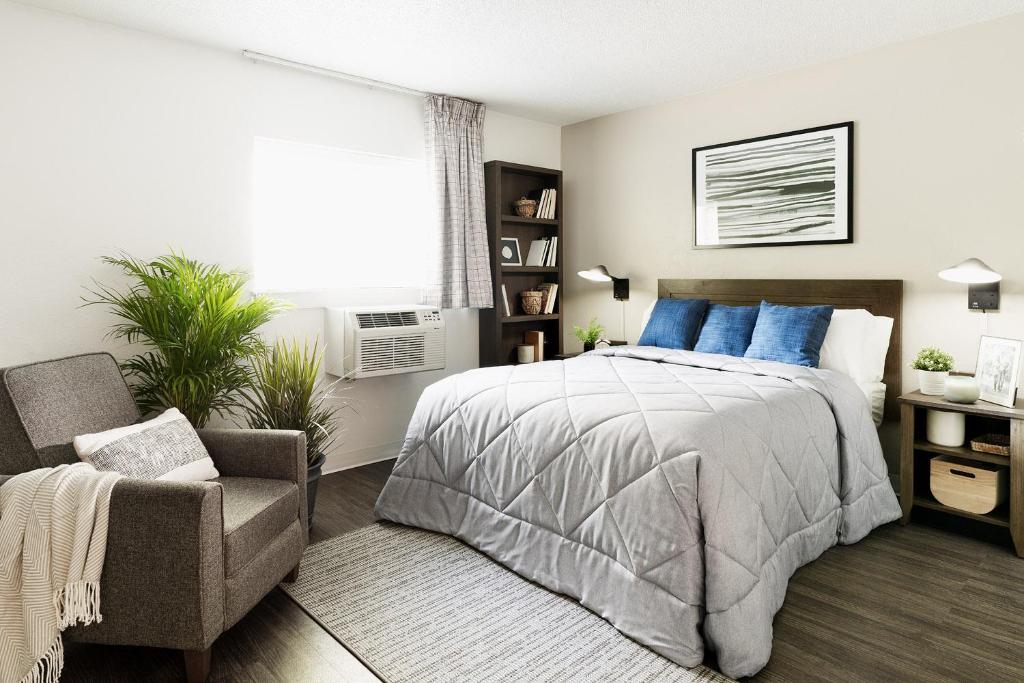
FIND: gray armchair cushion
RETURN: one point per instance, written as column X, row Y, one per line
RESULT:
column 263, row 453
column 256, row 511
column 54, row 401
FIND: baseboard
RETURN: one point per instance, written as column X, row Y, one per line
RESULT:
column 364, row 456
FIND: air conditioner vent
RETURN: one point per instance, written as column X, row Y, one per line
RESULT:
column 392, row 353
column 377, row 319
column 377, row 341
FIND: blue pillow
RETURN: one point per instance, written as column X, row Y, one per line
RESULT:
column 790, row 334
column 674, row 323
column 727, row 330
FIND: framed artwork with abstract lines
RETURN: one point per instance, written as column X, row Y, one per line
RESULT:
column 777, row 190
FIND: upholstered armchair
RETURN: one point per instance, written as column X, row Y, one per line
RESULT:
column 185, row 560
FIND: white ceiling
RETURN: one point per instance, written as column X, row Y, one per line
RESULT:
column 560, row 61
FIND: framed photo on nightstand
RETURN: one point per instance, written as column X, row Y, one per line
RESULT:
column 998, row 370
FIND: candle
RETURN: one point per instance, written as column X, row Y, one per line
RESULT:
column 962, row 389
column 525, row 353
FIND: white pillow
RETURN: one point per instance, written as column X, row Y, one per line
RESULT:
column 875, row 393
column 876, row 347
column 646, row 317
column 166, row 447
column 856, row 344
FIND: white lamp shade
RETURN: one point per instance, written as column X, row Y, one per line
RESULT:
column 972, row 271
column 597, row 274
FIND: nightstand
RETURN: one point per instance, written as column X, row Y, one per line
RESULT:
column 565, row 356
column 981, row 418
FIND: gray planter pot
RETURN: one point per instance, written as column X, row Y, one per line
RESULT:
column 312, row 480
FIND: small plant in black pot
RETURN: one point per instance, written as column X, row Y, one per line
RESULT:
column 589, row 335
column 287, row 393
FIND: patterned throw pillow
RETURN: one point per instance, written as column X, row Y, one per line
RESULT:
column 789, row 334
column 166, row 447
column 674, row 323
column 727, row 330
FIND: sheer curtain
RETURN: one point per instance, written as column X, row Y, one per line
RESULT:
column 461, row 274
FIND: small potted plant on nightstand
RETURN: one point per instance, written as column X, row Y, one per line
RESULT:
column 589, row 335
column 288, row 394
column 933, row 368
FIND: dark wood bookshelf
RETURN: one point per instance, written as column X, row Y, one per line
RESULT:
column 552, row 222
column 529, row 269
column 500, row 334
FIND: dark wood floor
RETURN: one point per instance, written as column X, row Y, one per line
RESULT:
column 915, row 603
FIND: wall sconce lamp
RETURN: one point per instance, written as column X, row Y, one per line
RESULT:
column 982, row 283
column 620, row 285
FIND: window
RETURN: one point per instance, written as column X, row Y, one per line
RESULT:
column 329, row 218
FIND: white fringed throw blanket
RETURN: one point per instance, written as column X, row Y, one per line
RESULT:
column 53, row 538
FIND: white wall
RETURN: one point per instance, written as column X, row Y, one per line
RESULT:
column 939, row 175
column 114, row 139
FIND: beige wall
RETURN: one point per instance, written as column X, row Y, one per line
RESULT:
column 939, row 176
column 118, row 139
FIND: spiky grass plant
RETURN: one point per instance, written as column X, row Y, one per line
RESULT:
column 288, row 394
column 589, row 334
column 200, row 330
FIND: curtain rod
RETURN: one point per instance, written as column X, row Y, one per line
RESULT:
column 330, row 73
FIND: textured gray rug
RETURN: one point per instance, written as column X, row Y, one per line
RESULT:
column 420, row 606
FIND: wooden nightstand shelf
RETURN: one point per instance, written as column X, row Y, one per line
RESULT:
column 982, row 418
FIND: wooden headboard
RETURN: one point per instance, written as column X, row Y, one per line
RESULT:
column 880, row 297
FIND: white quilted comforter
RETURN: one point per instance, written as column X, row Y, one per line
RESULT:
column 673, row 493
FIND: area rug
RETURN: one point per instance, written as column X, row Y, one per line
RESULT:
column 418, row 606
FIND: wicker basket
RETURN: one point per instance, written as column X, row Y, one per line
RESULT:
column 531, row 301
column 525, row 208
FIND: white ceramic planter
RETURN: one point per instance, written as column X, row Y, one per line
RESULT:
column 945, row 428
column 932, row 383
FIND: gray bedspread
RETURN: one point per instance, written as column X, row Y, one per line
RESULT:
column 673, row 493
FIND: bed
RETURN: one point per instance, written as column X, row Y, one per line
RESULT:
column 673, row 493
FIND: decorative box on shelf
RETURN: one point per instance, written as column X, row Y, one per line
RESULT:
column 977, row 487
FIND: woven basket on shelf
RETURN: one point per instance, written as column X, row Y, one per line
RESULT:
column 525, row 208
column 531, row 301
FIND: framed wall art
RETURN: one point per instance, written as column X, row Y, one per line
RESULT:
column 510, row 255
column 777, row 190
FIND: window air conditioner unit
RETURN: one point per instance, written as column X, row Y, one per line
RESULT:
column 384, row 340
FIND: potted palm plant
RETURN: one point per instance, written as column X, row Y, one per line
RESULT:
column 198, row 328
column 287, row 393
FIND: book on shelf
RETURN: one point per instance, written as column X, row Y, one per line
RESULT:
column 536, row 339
column 542, row 252
column 504, row 297
column 550, row 210
column 550, row 290
column 538, row 252
column 546, row 200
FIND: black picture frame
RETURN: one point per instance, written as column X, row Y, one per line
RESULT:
column 512, row 243
column 773, row 241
